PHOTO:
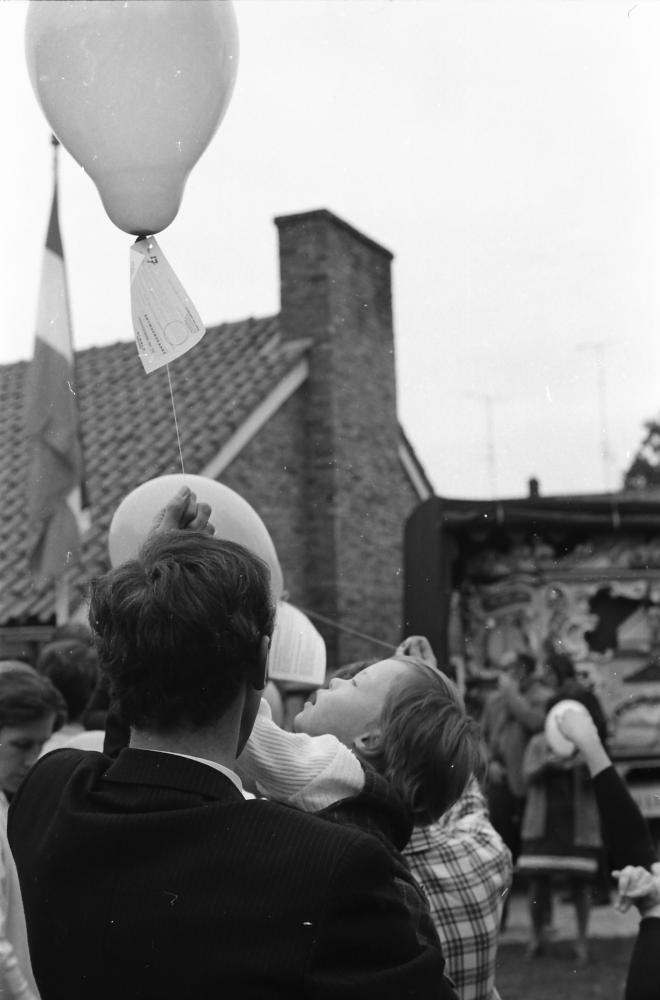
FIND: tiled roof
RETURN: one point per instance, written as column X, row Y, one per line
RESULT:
column 128, row 434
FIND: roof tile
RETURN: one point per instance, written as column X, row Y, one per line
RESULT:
column 128, row 434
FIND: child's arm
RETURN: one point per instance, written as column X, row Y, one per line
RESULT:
column 307, row 772
column 625, row 831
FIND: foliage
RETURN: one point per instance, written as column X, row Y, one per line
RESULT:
column 645, row 467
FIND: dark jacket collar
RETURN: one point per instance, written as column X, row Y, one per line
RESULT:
column 147, row 767
column 377, row 809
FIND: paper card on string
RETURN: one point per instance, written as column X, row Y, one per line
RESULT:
column 165, row 322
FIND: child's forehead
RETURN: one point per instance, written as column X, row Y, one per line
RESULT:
column 381, row 673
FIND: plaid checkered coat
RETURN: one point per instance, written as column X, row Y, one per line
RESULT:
column 466, row 870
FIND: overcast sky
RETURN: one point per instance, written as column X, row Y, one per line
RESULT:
column 506, row 152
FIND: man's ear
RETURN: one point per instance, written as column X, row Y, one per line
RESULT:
column 260, row 671
column 367, row 741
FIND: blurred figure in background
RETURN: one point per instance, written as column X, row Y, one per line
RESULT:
column 78, row 631
column 15, row 665
column 561, row 675
column 561, row 830
column 512, row 716
column 96, row 711
column 72, row 666
column 30, row 708
column 631, row 849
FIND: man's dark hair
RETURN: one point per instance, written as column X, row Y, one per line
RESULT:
column 26, row 697
column 177, row 627
column 73, row 668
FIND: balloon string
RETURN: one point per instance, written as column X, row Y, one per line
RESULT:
column 345, row 628
column 176, row 422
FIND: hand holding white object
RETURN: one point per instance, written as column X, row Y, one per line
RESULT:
column 559, row 742
column 639, row 886
column 577, row 727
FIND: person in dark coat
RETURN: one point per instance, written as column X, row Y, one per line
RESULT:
column 631, row 849
column 512, row 716
column 150, row 876
column 561, row 834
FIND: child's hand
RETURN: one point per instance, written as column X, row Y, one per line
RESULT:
column 419, row 646
column 579, row 728
column 183, row 511
column 638, row 886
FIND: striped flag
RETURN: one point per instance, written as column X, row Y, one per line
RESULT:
column 55, row 473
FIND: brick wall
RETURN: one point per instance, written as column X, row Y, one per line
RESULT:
column 270, row 474
column 354, row 495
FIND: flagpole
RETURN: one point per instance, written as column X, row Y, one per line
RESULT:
column 80, row 501
column 53, row 477
column 55, row 142
column 62, row 594
column 62, row 599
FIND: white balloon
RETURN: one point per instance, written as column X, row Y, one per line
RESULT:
column 556, row 740
column 297, row 650
column 135, row 93
column 232, row 517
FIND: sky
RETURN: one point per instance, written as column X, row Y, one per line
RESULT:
column 507, row 153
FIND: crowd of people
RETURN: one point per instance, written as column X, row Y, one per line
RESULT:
column 162, row 836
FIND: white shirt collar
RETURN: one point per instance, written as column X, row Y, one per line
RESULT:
column 202, row 760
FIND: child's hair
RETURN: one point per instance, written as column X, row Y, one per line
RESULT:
column 429, row 746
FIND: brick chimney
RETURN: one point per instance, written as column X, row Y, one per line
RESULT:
column 336, row 291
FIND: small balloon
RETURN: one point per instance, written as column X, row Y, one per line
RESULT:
column 297, row 656
column 232, row 517
column 135, row 91
column 557, row 742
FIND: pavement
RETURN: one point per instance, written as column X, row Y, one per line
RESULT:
column 605, row 922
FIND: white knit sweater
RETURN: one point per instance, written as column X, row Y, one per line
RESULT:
column 306, row 772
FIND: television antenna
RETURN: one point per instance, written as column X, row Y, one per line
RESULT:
column 598, row 348
column 489, row 399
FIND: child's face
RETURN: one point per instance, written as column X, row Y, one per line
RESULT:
column 351, row 708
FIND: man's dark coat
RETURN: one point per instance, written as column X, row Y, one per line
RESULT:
column 150, row 877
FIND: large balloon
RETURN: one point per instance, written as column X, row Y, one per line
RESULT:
column 232, row 516
column 135, row 90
